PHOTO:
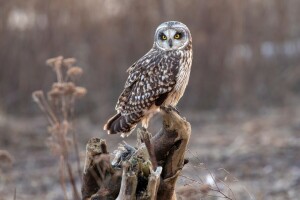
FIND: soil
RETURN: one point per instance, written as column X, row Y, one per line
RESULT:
column 246, row 156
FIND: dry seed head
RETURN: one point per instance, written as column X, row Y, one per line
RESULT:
column 80, row 92
column 74, row 72
column 54, row 93
column 58, row 62
column 52, row 61
column 70, row 88
column 69, row 62
column 37, row 95
column 58, row 88
column 63, row 88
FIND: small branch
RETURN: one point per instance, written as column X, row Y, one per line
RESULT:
column 62, row 177
column 75, row 144
column 146, row 136
column 153, row 183
column 72, row 181
column 128, row 184
column 39, row 98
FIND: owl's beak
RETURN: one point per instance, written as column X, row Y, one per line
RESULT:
column 170, row 43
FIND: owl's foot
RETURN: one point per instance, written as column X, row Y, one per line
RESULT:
column 169, row 109
column 175, row 109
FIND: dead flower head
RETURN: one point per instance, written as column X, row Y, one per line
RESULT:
column 54, row 93
column 59, row 89
column 37, row 95
column 69, row 62
column 80, row 92
column 70, row 88
column 74, row 72
column 55, row 62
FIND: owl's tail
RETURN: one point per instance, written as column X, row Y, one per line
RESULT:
column 123, row 124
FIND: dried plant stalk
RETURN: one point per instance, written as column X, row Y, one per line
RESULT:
column 59, row 109
column 62, row 177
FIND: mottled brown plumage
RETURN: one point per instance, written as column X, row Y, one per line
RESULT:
column 158, row 78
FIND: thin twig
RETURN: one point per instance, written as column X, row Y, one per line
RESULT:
column 62, row 177
column 39, row 98
column 191, row 179
column 72, row 180
column 213, row 178
column 150, row 148
column 74, row 136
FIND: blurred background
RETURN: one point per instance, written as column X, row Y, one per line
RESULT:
column 242, row 99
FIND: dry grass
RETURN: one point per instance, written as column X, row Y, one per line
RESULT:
column 214, row 185
column 59, row 108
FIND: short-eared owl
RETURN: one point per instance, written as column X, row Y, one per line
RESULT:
column 157, row 79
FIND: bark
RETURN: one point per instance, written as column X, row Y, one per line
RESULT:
column 147, row 172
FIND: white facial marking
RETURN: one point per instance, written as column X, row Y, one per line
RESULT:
column 164, row 37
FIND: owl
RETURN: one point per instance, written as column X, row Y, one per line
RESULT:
column 157, row 79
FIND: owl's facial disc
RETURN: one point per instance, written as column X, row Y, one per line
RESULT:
column 171, row 38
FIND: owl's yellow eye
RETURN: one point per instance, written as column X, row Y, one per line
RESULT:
column 177, row 36
column 163, row 37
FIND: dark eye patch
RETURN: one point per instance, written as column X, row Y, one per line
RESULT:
column 181, row 34
column 162, row 36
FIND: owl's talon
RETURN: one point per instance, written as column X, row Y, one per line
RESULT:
column 167, row 109
column 174, row 109
column 163, row 108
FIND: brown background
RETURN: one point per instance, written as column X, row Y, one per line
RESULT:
column 242, row 98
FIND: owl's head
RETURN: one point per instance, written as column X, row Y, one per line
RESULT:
column 172, row 35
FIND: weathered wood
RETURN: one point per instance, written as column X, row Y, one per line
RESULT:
column 147, row 172
column 170, row 146
column 128, row 185
column 100, row 180
column 153, row 183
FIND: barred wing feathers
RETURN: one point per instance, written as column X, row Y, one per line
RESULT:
column 150, row 78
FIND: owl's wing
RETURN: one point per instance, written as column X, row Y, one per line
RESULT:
column 150, row 78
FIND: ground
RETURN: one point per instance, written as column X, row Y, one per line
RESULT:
column 257, row 155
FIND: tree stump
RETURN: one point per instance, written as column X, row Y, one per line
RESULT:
column 146, row 172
